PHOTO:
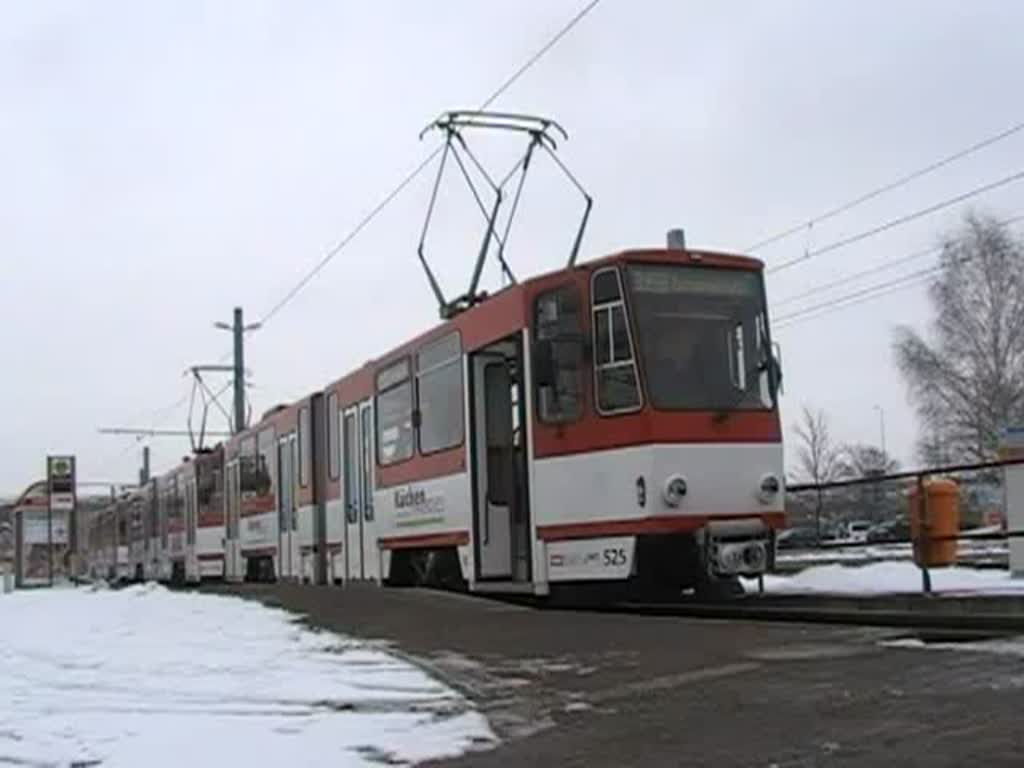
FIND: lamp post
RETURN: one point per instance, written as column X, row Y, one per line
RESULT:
column 881, row 430
column 883, row 457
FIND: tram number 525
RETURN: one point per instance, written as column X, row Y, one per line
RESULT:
column 614, row 556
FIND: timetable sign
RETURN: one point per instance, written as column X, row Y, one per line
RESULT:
column 60, row 472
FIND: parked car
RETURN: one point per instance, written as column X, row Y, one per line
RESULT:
column 857, row 531
column 798, row 537
column 890, row 530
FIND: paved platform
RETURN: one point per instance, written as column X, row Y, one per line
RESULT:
column 591, row 689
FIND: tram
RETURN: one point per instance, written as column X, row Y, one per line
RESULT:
column 612, row 424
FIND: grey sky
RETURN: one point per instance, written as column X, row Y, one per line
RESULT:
column 164, row 161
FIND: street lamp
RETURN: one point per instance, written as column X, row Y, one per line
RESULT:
column 881, row 428
column 238, row 330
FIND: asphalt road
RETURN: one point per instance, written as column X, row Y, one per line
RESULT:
column 589, row 689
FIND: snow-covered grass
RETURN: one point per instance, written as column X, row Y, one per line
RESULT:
column 147, row 677
column 871, row 553
column 889, row 578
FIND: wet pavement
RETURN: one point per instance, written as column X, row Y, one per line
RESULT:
column 599, row 689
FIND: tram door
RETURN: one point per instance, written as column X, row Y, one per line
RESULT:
column 361, row 558
column 367, row 462
column 286, row 517
column 232, row 563
column 501, row 515
column 350, row 488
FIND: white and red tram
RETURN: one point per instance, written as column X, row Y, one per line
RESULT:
column 205, row 550
column 268, row 493
column 138, row 532
column 174, row 524
column 611, row 423
column 192, row 507
column 614, row 422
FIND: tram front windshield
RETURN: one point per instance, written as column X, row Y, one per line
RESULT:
column 702, row 334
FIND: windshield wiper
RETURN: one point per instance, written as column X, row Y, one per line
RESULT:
column 767, row 362
column 725, row 411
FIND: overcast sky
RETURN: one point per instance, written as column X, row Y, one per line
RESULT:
column 161, row 162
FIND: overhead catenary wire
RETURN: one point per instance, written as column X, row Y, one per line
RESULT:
column 157, row 417
column 896, row 184
column 411, row 176
column 157, row 421
column 871, row 291
column 884, row 267
column 909, row 280
column 877, row 290
column 899, row 221
column 844, row 302
column 530, row 62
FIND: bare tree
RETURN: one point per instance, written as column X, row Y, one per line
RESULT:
column 818, row 457
column 932, row 449
column 860, row 460
column 876, row 501
column 967, row 383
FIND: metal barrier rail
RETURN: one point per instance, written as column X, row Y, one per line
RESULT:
column 924, row 539
column 993, row 536
column 907, row 475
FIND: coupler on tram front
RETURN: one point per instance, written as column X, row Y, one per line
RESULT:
column 710, row 564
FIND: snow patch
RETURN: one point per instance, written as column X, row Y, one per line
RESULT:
column 889, row 578
column 148, row 677
column 1010, row 647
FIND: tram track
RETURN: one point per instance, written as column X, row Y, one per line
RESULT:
column 1002, row 614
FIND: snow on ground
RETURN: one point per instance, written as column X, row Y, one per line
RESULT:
column 976, row 550
column 889, row 578
column 145, row 677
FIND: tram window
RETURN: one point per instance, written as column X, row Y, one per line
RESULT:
column 557, row 355
column 206, row 482
column 248, row 468
column 615, row 371
column 606, row 287
column 703, row 337
column 231, row 523
column 216, row 502
column 332, row 435
column 267, row 463
column 439, row 394
column 394, row 414
column 303, row 436
column 165, row 511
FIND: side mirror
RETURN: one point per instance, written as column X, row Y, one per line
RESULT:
column 777, row 366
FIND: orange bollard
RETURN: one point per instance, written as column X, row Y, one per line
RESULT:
column 943, row 520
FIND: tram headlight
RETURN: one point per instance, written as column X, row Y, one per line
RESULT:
column 769, row 488
column 674, row 490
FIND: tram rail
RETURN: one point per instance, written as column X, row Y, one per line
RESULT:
column 996, row 613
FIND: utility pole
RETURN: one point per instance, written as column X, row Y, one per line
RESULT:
column 239, row 333
column 144, row 472
column 238, row 329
